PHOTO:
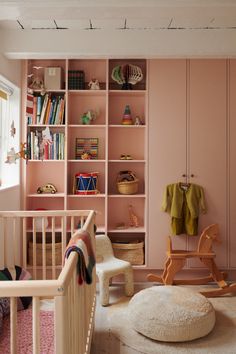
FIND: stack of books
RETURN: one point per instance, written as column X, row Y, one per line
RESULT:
column 76, row 80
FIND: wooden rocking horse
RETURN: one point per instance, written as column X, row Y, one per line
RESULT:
column 176, row 260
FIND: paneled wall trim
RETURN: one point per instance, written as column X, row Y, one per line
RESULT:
column 192, row 131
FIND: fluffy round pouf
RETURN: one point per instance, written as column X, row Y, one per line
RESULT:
column 171, row 314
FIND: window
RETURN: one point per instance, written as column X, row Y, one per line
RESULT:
column 9, row 132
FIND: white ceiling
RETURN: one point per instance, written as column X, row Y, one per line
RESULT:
column 172, row 22
column 118, row 14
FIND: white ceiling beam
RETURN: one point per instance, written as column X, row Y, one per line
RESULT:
column 117, row 43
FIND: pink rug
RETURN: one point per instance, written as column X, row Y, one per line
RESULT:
column 24, row 330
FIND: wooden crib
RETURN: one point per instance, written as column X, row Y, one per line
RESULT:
column 74, row 305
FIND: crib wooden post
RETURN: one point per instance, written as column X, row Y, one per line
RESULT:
column 36, row 325
column 60, row 339
column 34, row 250
column 13, row 321
column 44, row 246
column 53, row 249
column 24, row 243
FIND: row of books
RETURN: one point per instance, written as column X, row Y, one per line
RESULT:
column 76, row 80
column 39, row 150
column 47, row 109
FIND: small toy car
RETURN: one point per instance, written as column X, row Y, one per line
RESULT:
column 48, row 188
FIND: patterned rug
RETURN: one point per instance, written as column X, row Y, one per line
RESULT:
column 221, row 340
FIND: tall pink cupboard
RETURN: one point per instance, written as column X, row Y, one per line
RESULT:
column 192, row 133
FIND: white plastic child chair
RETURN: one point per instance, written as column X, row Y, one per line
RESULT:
column 108, row 266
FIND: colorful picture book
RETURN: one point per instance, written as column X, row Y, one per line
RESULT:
column 86, row 148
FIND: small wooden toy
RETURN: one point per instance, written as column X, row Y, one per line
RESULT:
column 89, row 116
column 138, row 121
column 47, row 188
column 133, row 219
column 127, row 118
column 94, row 85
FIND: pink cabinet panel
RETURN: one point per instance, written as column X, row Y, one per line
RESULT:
column 232, row 164
column 207, row 144
column 167, row 148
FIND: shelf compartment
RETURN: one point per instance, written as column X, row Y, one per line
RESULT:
column 126, row 141
column 78, row 105
column 44, row 63
column 117, row 105
column 139, row 62
column 37, row 176
column 113, row 170
column 81, row 167
column 93, row 68
column 45, row 203
column 86, row 133
column 97, row 204
column 118, row 211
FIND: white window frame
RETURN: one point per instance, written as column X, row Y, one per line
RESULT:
column 9, row 112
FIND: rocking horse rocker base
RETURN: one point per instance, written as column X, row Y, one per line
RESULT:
column 176, row 260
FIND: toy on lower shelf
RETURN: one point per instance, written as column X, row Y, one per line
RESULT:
column 133, row 218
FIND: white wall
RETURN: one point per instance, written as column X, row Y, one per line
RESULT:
column 11, row 70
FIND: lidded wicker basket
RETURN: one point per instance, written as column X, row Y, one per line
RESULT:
column 127, row 182
column 131, row 252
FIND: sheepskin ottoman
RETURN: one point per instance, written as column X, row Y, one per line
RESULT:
column 171, row 314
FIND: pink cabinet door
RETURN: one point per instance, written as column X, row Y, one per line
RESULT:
column 167, row 148
column 207, row 146
column 232, row 164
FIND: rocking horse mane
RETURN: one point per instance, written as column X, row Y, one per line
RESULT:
column 209, row 234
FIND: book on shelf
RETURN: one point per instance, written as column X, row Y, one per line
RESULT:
column 86, row 148
column 76, row 80
column 38, row 150
column 47, row 109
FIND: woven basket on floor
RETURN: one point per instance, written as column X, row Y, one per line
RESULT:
column 131, row 252
column 39, row 254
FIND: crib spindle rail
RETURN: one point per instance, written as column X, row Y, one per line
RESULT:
column 74, row 304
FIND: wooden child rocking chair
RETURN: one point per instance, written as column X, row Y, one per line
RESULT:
column 176, row 260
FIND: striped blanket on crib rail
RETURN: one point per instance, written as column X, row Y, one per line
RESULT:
column 81, row 243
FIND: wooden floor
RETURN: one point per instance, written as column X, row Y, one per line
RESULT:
column 104, row 342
